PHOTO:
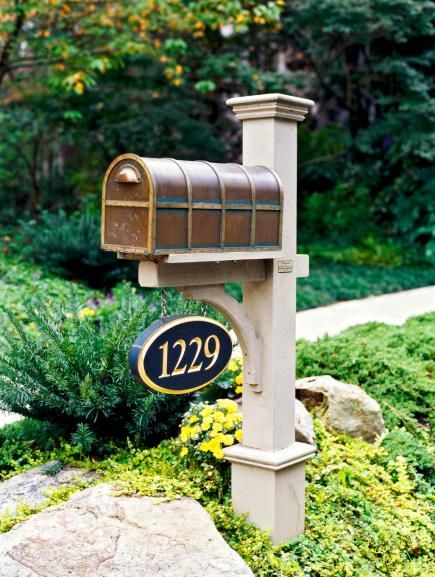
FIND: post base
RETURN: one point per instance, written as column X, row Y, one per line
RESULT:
column 270, row 487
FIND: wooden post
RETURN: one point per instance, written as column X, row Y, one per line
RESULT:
column 268, row 469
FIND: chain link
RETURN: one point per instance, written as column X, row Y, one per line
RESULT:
column 164, row 303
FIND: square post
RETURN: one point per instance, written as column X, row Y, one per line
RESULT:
column 268, row 469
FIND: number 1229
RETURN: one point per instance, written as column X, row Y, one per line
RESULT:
column 194, row 367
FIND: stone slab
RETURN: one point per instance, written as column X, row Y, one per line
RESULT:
column 98, row 534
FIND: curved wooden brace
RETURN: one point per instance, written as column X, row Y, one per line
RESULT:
column 234, row 311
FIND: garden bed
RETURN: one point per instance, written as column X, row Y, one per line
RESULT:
column 368, row 506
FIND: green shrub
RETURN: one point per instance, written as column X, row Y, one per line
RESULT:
column 417, row 451
column 70, row 367
column 70, row 245
column 20, row 280
column 369, row 251
column 393, row 364
column 26, row 443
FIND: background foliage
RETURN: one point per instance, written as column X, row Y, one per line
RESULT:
column 83, row 81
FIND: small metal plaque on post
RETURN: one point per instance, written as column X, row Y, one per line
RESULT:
column 285, row 266
column 180, row 354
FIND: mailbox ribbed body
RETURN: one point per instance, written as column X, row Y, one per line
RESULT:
column 157, row 206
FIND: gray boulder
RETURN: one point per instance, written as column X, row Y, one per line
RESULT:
column 343, row 407
column 304, row 425
column 98, row 534
column 31, row 487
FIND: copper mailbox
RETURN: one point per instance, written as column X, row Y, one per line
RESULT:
column 160, row 206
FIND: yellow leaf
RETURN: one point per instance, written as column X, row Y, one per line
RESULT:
column 79, row 88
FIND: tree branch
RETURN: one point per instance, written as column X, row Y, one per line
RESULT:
column 9, row 44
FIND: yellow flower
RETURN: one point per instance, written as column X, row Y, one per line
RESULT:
column 214, row 444
column 193, row 419
column 233, row 366
column 238, row 435
column 227, row 404
column 86, row 312
column 239, row 390
column 239, row 379
column 184, row 451
column 32, row 326
column 219, row 454
column 228, row 440
column 205, row 426
column 207, row 411
column 185, row 433
column 203, row 446
column 219, row 417
column 217, row 428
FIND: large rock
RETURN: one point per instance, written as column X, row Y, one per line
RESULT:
column 31, row 487
column 98, row 534
column 304, row 425
column 343, row 407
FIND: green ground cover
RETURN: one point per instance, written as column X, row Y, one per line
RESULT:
column 367, row 514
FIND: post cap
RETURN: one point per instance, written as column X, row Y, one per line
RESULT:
column 280, row 106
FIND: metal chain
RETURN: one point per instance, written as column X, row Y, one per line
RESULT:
column 164, row 303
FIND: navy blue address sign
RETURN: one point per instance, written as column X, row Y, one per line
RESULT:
column 180, row 354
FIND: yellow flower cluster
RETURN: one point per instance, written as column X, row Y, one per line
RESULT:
column 235, row 366
column 207, row 429
column 86, row 312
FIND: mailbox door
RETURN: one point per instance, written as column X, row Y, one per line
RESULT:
column 127, row 206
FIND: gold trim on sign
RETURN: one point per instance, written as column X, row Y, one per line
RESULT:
column 153, row 336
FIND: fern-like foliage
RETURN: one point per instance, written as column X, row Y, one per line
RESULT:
column 74, row 372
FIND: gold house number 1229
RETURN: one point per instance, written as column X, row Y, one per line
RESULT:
column 194, row 367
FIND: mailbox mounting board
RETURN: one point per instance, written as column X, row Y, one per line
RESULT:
column 161, row 206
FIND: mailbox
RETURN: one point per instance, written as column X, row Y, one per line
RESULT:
column 160, row 206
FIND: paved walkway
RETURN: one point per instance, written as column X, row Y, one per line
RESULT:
column 392, row 309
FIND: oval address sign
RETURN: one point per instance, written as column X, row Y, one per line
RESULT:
column 180, row 354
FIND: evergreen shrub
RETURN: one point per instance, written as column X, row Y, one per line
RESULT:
column 70, row 367
column 70, row 245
